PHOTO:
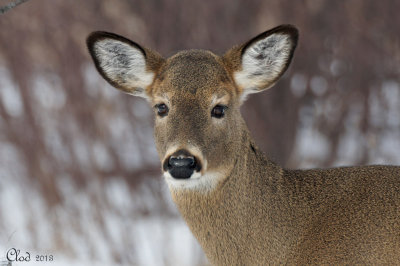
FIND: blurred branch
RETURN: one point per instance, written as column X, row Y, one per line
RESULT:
column 11, row 5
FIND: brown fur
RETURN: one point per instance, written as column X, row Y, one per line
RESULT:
column 264, row 214
column 259, row 213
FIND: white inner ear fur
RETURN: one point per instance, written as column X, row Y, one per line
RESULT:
column 124, row 64
column 262, row 62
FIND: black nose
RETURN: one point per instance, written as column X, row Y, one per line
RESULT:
column 181, row 165
column 187, row 162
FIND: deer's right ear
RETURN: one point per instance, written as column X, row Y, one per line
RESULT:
column 123, row 63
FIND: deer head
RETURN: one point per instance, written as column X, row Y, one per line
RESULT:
column 196, row 96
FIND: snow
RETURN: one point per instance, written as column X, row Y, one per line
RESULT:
column 337, row 67
column 391, row 93
column 10, row 94
column 48, row 91
column 349, row 149
column 318, row 85
column 98, row 225
column 298, row 84
column 101, row 156
column 389, row 148
column 80, row 149
column 382, row 145
column 118, row 195
column 96, row 87
column 311, row 147
column 56, row 146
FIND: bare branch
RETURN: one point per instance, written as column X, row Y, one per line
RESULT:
column 11, row 5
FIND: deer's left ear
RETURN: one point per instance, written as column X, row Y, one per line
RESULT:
column 259, row 63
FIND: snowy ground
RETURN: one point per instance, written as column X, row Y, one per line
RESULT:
column 92, row 227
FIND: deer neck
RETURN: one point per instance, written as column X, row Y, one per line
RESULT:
column 224, row 219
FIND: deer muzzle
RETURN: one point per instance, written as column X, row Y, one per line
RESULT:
column 181, row 164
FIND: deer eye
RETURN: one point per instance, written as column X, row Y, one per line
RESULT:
column 218, row 111
column 162, row 109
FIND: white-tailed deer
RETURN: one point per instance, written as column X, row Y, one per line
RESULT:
column 243, row 208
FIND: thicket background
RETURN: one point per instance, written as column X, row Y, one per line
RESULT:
column 79, row 174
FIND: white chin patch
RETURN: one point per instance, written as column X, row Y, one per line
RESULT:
column 197, row 181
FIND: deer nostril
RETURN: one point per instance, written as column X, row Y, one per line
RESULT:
column 181, row 165
column 182, row 161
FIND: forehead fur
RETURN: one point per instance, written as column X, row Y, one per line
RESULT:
column 193, row 71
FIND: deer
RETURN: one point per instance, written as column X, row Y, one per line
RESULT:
column 243, row 208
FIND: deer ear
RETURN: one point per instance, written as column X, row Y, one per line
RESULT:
column 123, row 63
column 260, row 62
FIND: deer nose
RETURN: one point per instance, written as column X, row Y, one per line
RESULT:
column 187, row 162
column 181, row 165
